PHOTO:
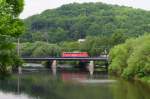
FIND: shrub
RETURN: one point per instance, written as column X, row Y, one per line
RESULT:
column 118, row 60
column 131, row 59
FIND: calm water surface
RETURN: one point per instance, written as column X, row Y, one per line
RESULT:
column 68, row 85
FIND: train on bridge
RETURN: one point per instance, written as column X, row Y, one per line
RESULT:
column 75, row 54
column 85, row 61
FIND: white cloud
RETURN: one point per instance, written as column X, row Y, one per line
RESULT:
column 37, row 6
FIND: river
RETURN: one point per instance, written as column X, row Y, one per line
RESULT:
column 70, row 85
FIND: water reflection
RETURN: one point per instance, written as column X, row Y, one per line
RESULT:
column 45, row 86
column 4, row 95
column 68, row 76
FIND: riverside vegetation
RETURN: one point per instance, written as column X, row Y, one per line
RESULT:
column 131, row 60
column 10, row 28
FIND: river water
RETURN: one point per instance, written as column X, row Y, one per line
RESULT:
column 70, row 85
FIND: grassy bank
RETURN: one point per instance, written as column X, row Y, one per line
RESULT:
column 146, row 80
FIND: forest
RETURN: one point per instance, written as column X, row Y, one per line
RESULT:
column 77, row 21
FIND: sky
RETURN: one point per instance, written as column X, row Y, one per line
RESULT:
column 37, row 6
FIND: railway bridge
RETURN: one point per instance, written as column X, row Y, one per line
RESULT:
column 55, row 59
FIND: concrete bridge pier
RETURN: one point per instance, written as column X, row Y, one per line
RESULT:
column 19, row 70
column 54, row 67
column 91, row 67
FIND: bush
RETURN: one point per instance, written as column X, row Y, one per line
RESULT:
column 131, row 59
column 118, row 56
column 40, row 49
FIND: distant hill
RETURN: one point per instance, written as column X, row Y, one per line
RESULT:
column 74, row 21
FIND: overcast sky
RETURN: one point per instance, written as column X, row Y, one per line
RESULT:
column 37, row 6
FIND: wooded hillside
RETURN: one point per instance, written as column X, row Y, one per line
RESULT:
column 74, row 21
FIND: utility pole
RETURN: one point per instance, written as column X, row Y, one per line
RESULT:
column 18, row 47
column 18, row 52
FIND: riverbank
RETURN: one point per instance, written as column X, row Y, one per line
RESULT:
column 146, row 80
column 131, row 60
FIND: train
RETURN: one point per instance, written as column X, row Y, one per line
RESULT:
column 75, row 54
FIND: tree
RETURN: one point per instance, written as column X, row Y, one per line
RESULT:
column 131, row 60
column 10, row 27
column 17, row 6
column 40, row 49
column 96, row 45
column 118, row 38
column 70, row 46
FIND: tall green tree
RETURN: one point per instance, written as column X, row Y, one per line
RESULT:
column 10, row 27
column 118, row 38
column 131, row 60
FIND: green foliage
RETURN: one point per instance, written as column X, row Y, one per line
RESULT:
column 118, row 38
column 95, row 46
column 17, row 6
column 70, row 46
column 8, row 57
column 131, row 59
column 17, row 62
column 9, row 24
column 118, row 56
column 40, row 49
column 139, row 61
column 146, row 79
column 10, row 28
column 74, row 21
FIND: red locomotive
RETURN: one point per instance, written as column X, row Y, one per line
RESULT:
column 75, row 54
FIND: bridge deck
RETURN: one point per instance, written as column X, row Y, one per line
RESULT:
column 67, row 58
